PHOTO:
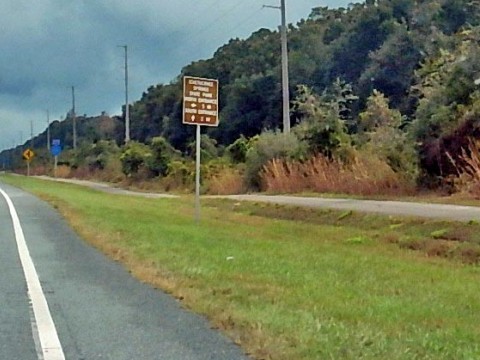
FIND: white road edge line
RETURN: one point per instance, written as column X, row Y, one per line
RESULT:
column 47, row 333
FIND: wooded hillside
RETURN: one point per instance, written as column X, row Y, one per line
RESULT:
column 397, row 78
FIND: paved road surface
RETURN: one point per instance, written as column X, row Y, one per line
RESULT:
column 108, row 188
column 98, row 310
column 396, row 208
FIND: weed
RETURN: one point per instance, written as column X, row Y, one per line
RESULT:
column 439, row 234
column 345, row 214
column 357, row 240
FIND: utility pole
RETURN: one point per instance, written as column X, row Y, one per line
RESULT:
column 74, row 119
column 48, row 130
column 31, row 134
column 285, row 82
column 127, row 109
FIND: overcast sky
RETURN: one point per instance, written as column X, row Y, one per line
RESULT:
column 49, row 45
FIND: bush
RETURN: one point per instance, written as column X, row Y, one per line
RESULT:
column 162, row 153
column 208, row 148
column 181, row 175
column 238, row 150
column 268, row 146
column 134, row 156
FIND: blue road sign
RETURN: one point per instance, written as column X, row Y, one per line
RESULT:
column 55, row 150
column 55, row 142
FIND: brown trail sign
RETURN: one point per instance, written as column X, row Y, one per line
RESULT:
column 200, row 107
column 200, row 101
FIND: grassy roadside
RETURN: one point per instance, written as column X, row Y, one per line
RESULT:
column 290, row 283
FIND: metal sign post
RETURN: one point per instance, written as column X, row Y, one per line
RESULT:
column 200, row 108
column 197, row 175
column 55, row 163
column 28, row 156
column 55, row 150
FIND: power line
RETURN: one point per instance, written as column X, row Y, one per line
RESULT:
column 219, row 17
column 246, row 20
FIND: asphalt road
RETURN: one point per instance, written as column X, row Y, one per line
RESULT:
column 98, row 310
column 395, row 208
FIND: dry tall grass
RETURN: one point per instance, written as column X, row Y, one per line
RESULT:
column 364, row 175
column 468, row 169
column 226, row 182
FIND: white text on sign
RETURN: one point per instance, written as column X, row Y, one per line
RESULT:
column 200, row 101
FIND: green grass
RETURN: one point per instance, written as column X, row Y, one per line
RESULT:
column 292, row 283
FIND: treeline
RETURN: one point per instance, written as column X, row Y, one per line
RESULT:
column 393, row 79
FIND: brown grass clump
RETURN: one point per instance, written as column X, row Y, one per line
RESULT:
column 468, row 169
column 228, row 181
column 439, row 248
column 63, row 171
column 470, row 254
column 364, row 175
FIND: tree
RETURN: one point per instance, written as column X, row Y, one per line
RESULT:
column 392, row 67
column 380, row 133
column 320, row 125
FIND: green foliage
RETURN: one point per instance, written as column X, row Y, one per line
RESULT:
column 181, row 173
column 134, row 156
column 208, row 148
column 452, row 16
column 162, row 153
column 321, row 127
column 380, row 133
column 378, row 114
column 238, row 150
column 392, row 65
column 95, row 156
column 268, row 146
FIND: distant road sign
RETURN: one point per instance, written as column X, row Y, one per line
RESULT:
column 28, row 155
column 55, row 150
column 200, row 101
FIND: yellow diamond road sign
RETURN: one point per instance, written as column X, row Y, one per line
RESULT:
column 200, row 101
column 28, row 154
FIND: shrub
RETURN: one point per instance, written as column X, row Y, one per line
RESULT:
column 268, row 146
column 238, row 150
column 162, row 153
column 180, row 175
column 133, row 157
column 208, row 148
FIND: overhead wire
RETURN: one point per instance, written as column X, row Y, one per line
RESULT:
column 250, row 18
